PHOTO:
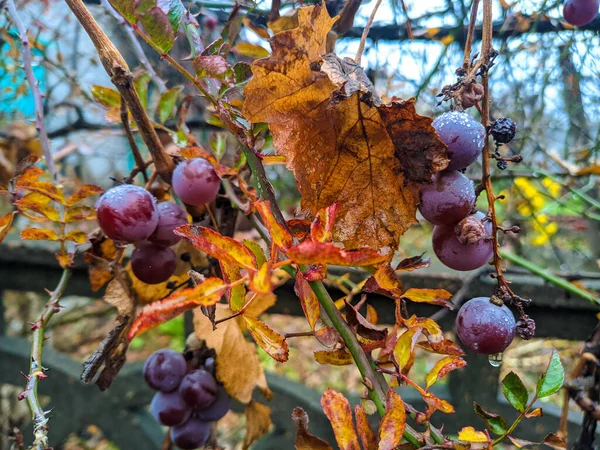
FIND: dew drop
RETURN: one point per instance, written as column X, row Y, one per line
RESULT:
column 495, row 360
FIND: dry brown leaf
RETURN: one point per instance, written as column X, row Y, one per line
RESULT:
column 305, row 440
column 258, row 422
column 371, row 159
column 117, row 296
column 238, row 367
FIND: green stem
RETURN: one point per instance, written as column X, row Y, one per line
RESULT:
column 534, row 268
column 515, row 423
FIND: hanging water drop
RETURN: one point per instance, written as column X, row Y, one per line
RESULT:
column 495, row 360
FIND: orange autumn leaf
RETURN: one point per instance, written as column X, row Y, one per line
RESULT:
column 337, row 409
column 5, row 224
column 153, row 314
column 537, row 412
column 261, row 280
column 39, row 204
column 218, row 246
column 442, row 368
column 435, row 403
column 310, row 252
column 370, row 157
column 321, row 229
column 339, row 357
column 269, row 340
column 305, row 440
column 39, row 234
column 281, row 237
column 308, row 300
column 384, row 281
column 393, row 422
column 432, row 296
column 28, row 180
column 367, row 438
column 469, row 434
column 78, row 213
column 84, row 192
column 442, row 347
column 77, row 236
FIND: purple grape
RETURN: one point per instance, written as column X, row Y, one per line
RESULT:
column 218, row 408
column 196, row 182
column 463, row 136
column 164, row 369
column 192, row 434
column 170, row 216
column 485, row 327
column 475, row 253
column 153, row 264
column 198, row 389
column 127, row 213
column 449, row 199
column 169, row 408
column 580, row 12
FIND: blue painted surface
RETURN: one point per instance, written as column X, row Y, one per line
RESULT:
column 11, row 77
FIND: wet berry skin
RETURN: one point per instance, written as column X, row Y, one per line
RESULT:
column 170, row 216
column 192, row 434
column 448, row 199
column 198, row 389
column 580, row 12
column 153, row 264
column 464, row 138
column 127, row 213
column 485, row 327
column 195, row 181
column 169, row 408
column 218, row 408
column 164, row 369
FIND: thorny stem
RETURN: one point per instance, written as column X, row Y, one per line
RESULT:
column 135, row 45
column 36, row 370
column 363, row 38
column 33, row 85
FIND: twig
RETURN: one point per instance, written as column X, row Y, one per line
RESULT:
column 137, row 156
column 300, row 334
column 117, row 69
column 36, row 370
column 363, row 38
column 470, row 35
column 409, row 32
column 135, row 45
column 34, row 86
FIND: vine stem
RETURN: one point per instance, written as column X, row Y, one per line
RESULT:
column 36, row 370
column 34, row 86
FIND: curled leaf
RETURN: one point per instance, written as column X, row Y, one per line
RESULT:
column 443, row 367
column 281, row 237
column 339, row 357
column 362, row 326
column 432, row 296
column 310, row 252
column 305, row 440
column 268, row 339
column 5, row 224
column 308, row 300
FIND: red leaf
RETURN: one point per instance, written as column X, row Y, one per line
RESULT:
column 220, row 247
column 300, row 228
column 5, row 224
column 337, row 409
column 206, row 293
column 321, row 229
column 444, row 347
column 308, row 300
column 281, row 237
column 310, row 252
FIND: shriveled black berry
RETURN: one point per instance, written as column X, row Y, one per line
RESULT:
column 502, row 164
column 503, row 130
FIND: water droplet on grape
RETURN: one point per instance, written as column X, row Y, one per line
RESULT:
column 495, row 360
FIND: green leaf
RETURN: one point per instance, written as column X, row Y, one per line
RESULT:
column 553, row 379
column 175, row 11
column 126, row 8
column 141, row 87
column 107, row 97
column 158, row 26
column 515, row 391
column 242, row 72
column 494, row 422
column 213, row 48
column 166, row 104
column 257, row 250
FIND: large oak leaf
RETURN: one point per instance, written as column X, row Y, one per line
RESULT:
column 340, row 146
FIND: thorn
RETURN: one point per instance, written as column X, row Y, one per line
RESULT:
column 25, row 376
column 22, row 395
column 35, row 325
column 41, row 376
column 368, row 383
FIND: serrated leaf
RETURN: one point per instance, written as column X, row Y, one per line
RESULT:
column 436, row 404
column 77, row 236
column 515, row 391
column 552, row 380
column 250, row 50
column 166, row 104
column 39, row 204
column 393, row 422
column 79, row 213
column 107, row 97
column 308, row 300
column 158, row 26
column 39, row 234
column 304, row 440
column 281, row 237
column 494, row 422
column 220, row 247
column 443, row 347
column 206, row 293
column 337, row 409
column 84, row 192
column 310, row 252
column 469, row 434
column 362, row 326
column 384, row 280
column 443, row 367
column 213, row 48
column 432, row 296
column 174, row 9
column 213, row 66
column 413, row 263
column 5, row 224
column 366, row 435
column 338, row 357
column 268, row 339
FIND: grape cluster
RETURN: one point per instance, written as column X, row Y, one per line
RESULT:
column 130, row 214
column 461, row 236
column 580, row 12
column 188, row 401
